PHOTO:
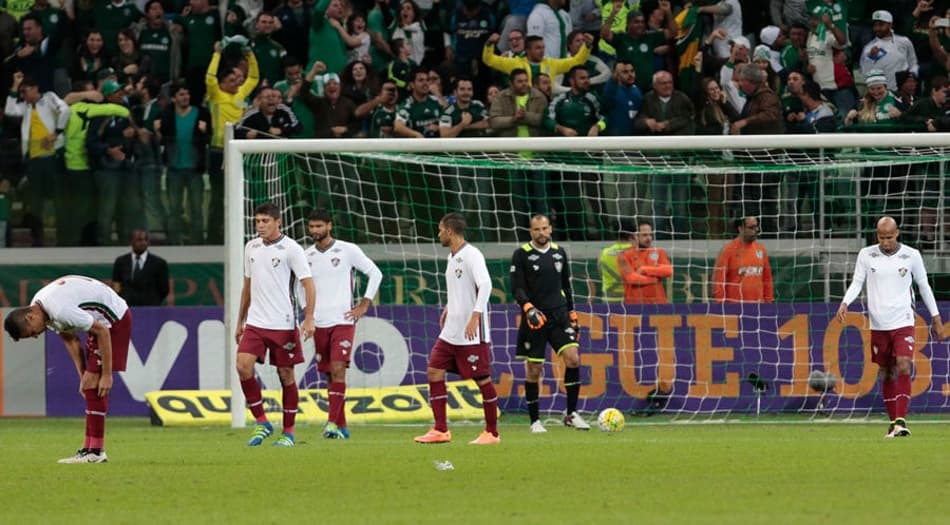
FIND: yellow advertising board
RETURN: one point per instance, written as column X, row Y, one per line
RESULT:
column 397, row 404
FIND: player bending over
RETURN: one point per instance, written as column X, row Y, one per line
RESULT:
column 68, row 306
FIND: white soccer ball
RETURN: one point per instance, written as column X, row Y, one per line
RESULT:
column 610, row 420
column 820, row 381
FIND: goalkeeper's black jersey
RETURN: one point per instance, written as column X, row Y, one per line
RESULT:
column 542, row 278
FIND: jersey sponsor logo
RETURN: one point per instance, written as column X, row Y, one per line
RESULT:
column 472, row 359
column 557, row 257
column 909, row 339
column 643, row 48
column 345, row 344
column 902, row 271
column 750, row 271
column 875, row 254
column 290, row 345
column 534, row 257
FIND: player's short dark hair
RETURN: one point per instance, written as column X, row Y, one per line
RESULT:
column 539, row 216
column 644, row 222
column 151, row 83
column 15, row 323
column 517, row 71
column 150, row 2
column 740, row 221
column 454, row 221
column 797, row 25
column 267, row 208
column 320, row 214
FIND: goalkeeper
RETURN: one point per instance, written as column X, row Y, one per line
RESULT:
column 541, row 283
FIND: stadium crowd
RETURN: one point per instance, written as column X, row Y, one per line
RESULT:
column 115, row 97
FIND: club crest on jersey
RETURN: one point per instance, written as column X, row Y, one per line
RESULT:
column 335, row 261
column 535, row 267
column 758, row 253
column 654, row 256
column 458, row 273
column 558, row 265
column 902, row 271
column 275, row 261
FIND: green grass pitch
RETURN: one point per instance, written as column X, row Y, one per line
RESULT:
column 673, row 473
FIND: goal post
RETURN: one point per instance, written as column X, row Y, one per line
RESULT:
column 817, row 195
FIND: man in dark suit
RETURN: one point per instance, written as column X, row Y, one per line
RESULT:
column 140, row 277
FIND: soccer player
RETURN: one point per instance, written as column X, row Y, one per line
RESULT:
column 643, row 268
column 889, row 268
column 267, row 319
column 332, row 262
column 541, row 283
column 463, row 346
column 70, row 305
column 742, row 273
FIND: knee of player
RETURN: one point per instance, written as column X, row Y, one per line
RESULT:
column 570, row 356
column 435, row 374
column 904, row 366
column 286, row 375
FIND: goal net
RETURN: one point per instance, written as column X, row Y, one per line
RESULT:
column 816, row 199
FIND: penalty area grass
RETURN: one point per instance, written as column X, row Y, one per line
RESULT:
column 666, row 473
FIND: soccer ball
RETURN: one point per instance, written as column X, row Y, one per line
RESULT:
column 822, row 381
column 610, row 420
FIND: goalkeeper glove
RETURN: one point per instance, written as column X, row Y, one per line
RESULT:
column 534, row 317
column 573, row 320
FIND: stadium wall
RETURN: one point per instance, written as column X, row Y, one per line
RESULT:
column 707, row 354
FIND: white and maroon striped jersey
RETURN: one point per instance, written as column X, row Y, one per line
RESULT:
column 332, row 271
column 468, row 286
column 274, row 268
column 73, row 302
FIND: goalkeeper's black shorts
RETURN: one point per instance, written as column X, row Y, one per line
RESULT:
column 557, row 331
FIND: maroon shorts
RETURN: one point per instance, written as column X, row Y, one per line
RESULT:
column 333, row 343
column 888, row 345
column 284, row 345
column 119, row 334
column 468, row 361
